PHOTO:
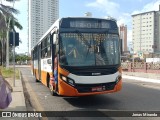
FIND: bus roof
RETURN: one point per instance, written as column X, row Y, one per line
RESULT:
column 56, row 24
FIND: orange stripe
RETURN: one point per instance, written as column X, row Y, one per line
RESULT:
column 44, row 77
column 119, row 86
column 62, row 71
column 65, row 89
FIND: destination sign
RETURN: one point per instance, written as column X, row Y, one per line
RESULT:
column 87, row 23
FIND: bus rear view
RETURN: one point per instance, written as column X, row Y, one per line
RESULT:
column 88, row 57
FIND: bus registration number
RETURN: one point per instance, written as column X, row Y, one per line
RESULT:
column 97, row 89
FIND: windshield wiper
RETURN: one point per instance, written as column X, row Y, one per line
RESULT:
column 83, row 38
column 85, row 41
column 89, row 47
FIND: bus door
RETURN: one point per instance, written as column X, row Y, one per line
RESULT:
column 55, row 60
column 39, row 62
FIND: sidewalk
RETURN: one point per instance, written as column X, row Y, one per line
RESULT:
column 147, row 77
column 18, row 100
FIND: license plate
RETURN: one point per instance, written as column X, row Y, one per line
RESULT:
column 97, row 89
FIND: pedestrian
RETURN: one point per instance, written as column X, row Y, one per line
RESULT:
column 56, row 73
column 5, row 92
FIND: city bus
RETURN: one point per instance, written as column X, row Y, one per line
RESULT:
column 79, row 56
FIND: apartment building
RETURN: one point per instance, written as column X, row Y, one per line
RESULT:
column 123, row 37
column 41, row 15
column 145, row 32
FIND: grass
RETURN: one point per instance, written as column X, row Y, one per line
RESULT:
column 9, row 72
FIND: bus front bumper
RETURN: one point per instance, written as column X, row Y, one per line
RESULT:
column 84, row 90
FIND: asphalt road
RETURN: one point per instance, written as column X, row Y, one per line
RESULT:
column 135, row 96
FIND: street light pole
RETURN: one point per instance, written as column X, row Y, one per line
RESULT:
column 14, row 58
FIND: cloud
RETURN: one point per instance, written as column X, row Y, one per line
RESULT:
column 7, row 3
column 112, row 9
column 106, row 6
column 152, row 6
column 124, row 18
column 129, row 35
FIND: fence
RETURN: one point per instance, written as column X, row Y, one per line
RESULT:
column 141, row 67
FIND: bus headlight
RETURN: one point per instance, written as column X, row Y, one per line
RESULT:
column 68, row 80
column 64, row 78
column 119, row 77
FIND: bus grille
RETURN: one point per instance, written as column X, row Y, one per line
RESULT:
column 83, row 88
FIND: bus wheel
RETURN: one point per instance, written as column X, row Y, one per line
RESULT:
column 48, row 79
column 37, row 80
column 52, row 90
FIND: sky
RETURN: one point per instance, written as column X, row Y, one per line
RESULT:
column 121, row 10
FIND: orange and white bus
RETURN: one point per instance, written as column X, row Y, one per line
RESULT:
column 79, row 56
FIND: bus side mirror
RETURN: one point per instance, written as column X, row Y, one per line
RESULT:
column 49, row 61
column 55, row 38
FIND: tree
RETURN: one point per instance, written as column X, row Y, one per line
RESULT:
column 2, row 38
column 3, row 33
column 8, row 22
column 22, row 58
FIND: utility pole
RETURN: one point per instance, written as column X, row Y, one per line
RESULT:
column 14, row 58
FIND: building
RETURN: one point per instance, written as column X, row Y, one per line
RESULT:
column 146, row 32
column 123, row 37
column 41, row 15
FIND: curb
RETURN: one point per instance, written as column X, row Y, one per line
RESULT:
column 141, row 79
column 32, row 97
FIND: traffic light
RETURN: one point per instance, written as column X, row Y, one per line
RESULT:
column 16, row 38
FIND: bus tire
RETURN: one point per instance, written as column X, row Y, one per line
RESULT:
column 48, row 79
column 36, row 80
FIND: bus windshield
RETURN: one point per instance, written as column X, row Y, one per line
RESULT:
column 89, row 49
